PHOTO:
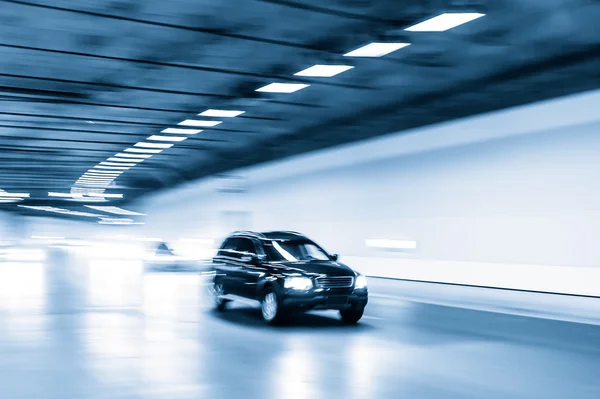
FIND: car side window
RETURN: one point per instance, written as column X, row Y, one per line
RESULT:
column 228, row 247
column 246, row 246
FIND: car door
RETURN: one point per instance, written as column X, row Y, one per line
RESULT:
column 227, row 265
column 251, row 271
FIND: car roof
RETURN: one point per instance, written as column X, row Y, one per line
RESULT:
column 272, row 235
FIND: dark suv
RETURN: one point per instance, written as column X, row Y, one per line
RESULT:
column 286, row 272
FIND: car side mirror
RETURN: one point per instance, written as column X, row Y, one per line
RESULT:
column 334, row 257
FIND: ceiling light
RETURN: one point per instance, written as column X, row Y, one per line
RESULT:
column 324, row 71
column 112, row 167
column 117, row 164
column 124, row 160
column 10, row 200
column 114, row 209
column 140, row 150
column 102, row 173
column 124, row 155
column 14, row 195
column 62, row 195
column 105, row 195
column 376, row 49
column 199, row 123
column 174, row 130
column 444, row 22
column 153, row 145
column 282, row 87
column 60, row 210
column 221, row 113
column 166, row 138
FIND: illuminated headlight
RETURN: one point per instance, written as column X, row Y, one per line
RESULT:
column 361, row 282
column 298, row 283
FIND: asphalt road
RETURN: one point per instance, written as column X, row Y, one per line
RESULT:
column 154, row 335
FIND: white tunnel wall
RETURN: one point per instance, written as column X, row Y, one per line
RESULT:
column 509, row 199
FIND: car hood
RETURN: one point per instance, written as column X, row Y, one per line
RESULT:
column 315, row 268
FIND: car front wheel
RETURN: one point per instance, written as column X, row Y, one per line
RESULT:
column 352, row 316
column 218, row 291
column 270, row 308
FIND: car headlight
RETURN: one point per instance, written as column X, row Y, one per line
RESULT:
column 361, row 282
column 298, row 283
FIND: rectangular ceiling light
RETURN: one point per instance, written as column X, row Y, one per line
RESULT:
column 323, row 71
column 102, row 173
column 166, row 138
column 444, row 22
column 199, row 123
column 175, row 130
column 125, row 160
column 61, row 195
column 4, row 194
column 376, row 49
column 143, row 150
column 125, row 155
column 112, row 167
column 114, row 209
column 282, row 88
column 105, row 195
column 117, row 164
column 152, row 145
column 221, row 113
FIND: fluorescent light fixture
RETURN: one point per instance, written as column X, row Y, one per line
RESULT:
column 59, row 210
column 125, row 155
column 166, row 138
column 103, row 173
column 199, row 123
column 4, row 194
column 112, row 167
column 444, row 22
column 376, row 49
column 282, row 87
column 391, row 244
column 153, row 145
column 221, row 113
column 324, row 71
column 96, row 179
column 61, row 195
column 142, row 151
column 105, row 195
column 10, row 200
column 175, row 130
column 124, row 160
column 114, row 209
column 117, row 164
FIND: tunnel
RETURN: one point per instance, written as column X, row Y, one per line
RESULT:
column 299, row 199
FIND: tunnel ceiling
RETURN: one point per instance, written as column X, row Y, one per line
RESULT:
column 81, row 81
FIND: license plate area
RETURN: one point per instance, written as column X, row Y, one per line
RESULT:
column 337, row 300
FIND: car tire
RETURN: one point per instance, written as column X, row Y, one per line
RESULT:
column 220, row 303
column 270, row 307
column 352, row 316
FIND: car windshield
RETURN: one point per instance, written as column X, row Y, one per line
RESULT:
column 293, row 251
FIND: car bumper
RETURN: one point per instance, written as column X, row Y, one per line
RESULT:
column 324, row 301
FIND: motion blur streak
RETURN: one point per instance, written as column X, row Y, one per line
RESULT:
column 299, row 199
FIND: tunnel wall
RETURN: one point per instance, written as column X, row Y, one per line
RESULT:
column 509, row 199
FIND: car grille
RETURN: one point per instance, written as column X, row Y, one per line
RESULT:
column 335, row 282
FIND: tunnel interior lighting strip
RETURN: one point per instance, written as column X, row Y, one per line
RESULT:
column 282, row 88
column 175, row 130
column 199, row 123
column 376, row 49
column 115, row 210
column 157, row 137
column 221, row 113
column 324, row 71
column 444, row 22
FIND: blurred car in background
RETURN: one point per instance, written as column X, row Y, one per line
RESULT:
column 164, row 258
column 286, row 272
